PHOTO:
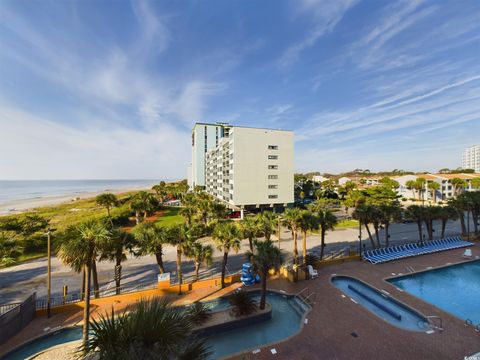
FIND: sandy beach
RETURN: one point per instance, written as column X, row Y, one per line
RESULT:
column 19, row 206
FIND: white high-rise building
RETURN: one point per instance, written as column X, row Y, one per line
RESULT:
column 205, row 137
column 471, row 158
column 249, row 167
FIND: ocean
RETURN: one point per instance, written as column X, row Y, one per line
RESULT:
column 25, row 190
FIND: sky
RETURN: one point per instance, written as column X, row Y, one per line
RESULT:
column 111, row 89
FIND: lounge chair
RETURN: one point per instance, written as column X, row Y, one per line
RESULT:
column 312, row 272
column 467, row 254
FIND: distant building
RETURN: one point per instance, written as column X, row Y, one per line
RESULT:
column 471, row 158
column 251, row 168
column 319, row 178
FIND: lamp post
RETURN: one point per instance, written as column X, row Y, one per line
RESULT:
column 49, row 268
column 360, row 239
column 468, row 225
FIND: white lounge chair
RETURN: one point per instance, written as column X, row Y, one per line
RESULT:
column 312, row 272
column 467, row 253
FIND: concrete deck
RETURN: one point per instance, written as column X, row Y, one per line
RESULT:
column 333, row 319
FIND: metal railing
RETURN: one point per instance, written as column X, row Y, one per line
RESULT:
column 7, row 307
column 437, row 327
column 306, row 296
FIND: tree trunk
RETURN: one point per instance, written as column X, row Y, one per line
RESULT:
column 369, row 234
column 322, row 244
column 96, row 289
column 108, row 212
column 82, row 292
column 419, row 225
column 295, row 248
column 179, row 269
column 462, row 222
column 264, row 289
column 377, row 236
column 250, row 243
column 145, row 214
column 86, row 309
column 197, row 269
column 444, row 225
column 304, row 250
column 159, row 257
column 224, row 267
column 434, row 196
column 387, row 239
column 475, row 221
column 118, row 275
column 137, row 217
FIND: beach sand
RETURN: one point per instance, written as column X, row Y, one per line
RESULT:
column 19, row 206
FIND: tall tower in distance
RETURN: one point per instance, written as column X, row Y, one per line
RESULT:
column 471, row 158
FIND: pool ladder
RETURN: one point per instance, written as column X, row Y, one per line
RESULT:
column 410, row 269
column 440, row 322
column 306, row 296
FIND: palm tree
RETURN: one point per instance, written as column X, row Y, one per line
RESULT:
column 160, row 191
column 363, row 214
column 389, row 213
column 460, row 206
column 475, row 183
column 201, row 254
column 179, row 236
column 411, row 184
column 116, row 249
column 149, row 329
column 107, row 200
column 430, row 213
column 249, row 228
column 446, row 213
column 416, row 213
column 151, row 238
column 226, row 236
column 266, row 257
column 306, row 223
column 433, row 187
column 327, row 221
column 81, row 251
column 142, row 202
column 292, row 219
column 267, row 222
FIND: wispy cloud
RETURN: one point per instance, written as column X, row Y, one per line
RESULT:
column 325, row 14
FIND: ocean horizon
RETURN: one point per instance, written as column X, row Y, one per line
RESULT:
column 24, row 190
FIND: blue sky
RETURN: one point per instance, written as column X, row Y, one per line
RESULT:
column 111, row 89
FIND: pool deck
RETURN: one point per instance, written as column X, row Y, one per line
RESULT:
column 333, row 319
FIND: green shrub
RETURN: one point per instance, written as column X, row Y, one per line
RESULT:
column 242, row 303
column 198, row 313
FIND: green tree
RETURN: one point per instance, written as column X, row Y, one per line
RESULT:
column 267, row 222
column 475, row 183
column 107, row 200
column 249, row 228
column 389, row 213
column 265, row 257
column 459, row 185
column 10, row 250
column 81, row 251
column 227, row 237
column 151, row 238
column 416, row 213
column 307, row 221
column 149, row 329
column 116, row 248
column 363, row 213
column 200, row 254
column 292, row 219
column 142, row 202
column 326, row 220
column 460, row 205
column 433, row 187
column 446, row 213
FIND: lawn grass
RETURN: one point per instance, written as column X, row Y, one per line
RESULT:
column 343, row 224
column 170, row 216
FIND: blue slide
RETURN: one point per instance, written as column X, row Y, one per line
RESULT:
column 248, row 276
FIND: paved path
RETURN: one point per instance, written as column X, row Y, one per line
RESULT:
column 18, row 282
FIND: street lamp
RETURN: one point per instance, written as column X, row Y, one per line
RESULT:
column 360, row 239
column 49, row 268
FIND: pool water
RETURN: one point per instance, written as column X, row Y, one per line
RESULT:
column 287, row 317
column 454, row 289
column 381, row 304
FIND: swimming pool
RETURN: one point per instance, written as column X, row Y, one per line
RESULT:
column 380, row 304
column 287, row 318
column 455, row 288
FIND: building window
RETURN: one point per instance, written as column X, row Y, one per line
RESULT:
column 272, row 186
column 273, row 167
column 273, row 196
column 271, row 177
column 272, row 147
column 272, row 157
